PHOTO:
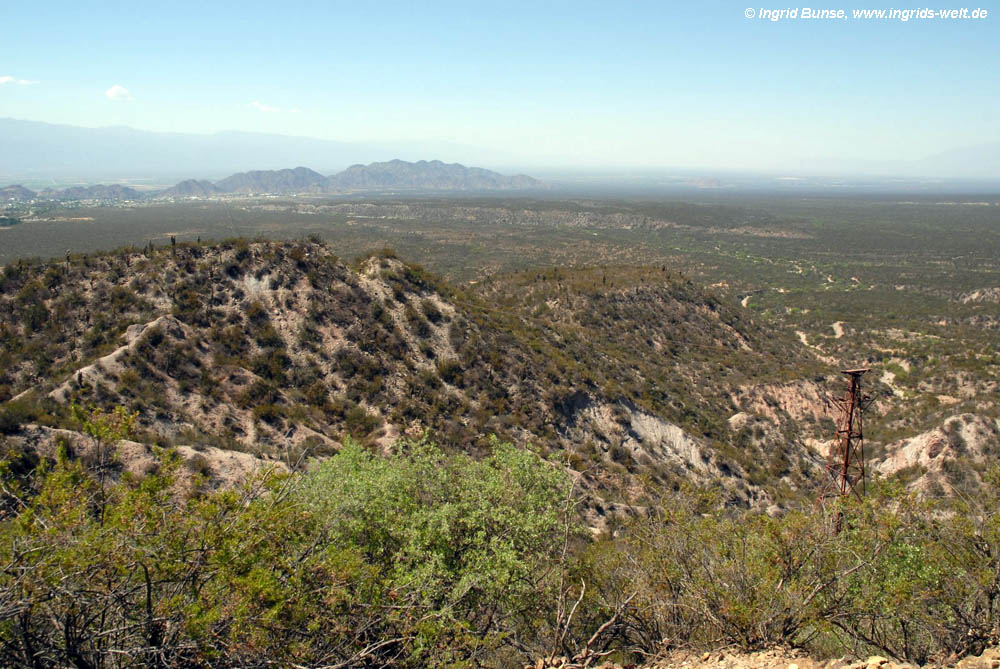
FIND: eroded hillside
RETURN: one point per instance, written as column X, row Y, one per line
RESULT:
column 282, row 350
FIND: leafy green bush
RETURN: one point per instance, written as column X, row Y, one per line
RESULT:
column 468, row 541
column 420, row 559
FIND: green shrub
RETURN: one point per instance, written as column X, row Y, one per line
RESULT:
column 431, row 311
column 902, row 578
column 271, row 365
column 13, row 415
column 256, row 313
column 418, row 324
column 461, row 538
column 268, row 338
column 198, row 464
column 359, row 422
column 269, row 413
column 416, row 560
column 450, row 371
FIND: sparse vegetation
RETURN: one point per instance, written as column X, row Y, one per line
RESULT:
column 680, row 413
column 237, row 351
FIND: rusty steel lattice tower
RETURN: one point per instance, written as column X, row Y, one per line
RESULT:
column 846, row 464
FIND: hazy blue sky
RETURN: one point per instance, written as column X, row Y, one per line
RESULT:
column 626, row 83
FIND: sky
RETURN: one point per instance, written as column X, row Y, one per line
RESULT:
column 640, row 84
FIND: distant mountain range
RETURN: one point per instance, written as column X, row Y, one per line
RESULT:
column 16, row 193
column 299, row 180
column 392, row 175
column 35, row 151
column 98, row 192
column 426, row 175
column 191, row 188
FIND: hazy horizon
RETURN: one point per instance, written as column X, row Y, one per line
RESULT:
column 47, row 155
column 644, row 85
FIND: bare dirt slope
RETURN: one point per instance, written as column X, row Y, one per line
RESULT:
column 778, row 659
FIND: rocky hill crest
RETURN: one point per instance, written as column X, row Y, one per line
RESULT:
column 280, row 349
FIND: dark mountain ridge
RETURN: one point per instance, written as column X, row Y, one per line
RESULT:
column 396, row 175
column 16, row 193
column 429, row 175
column 296, row 180
column 191, row 188
column 97, row 192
